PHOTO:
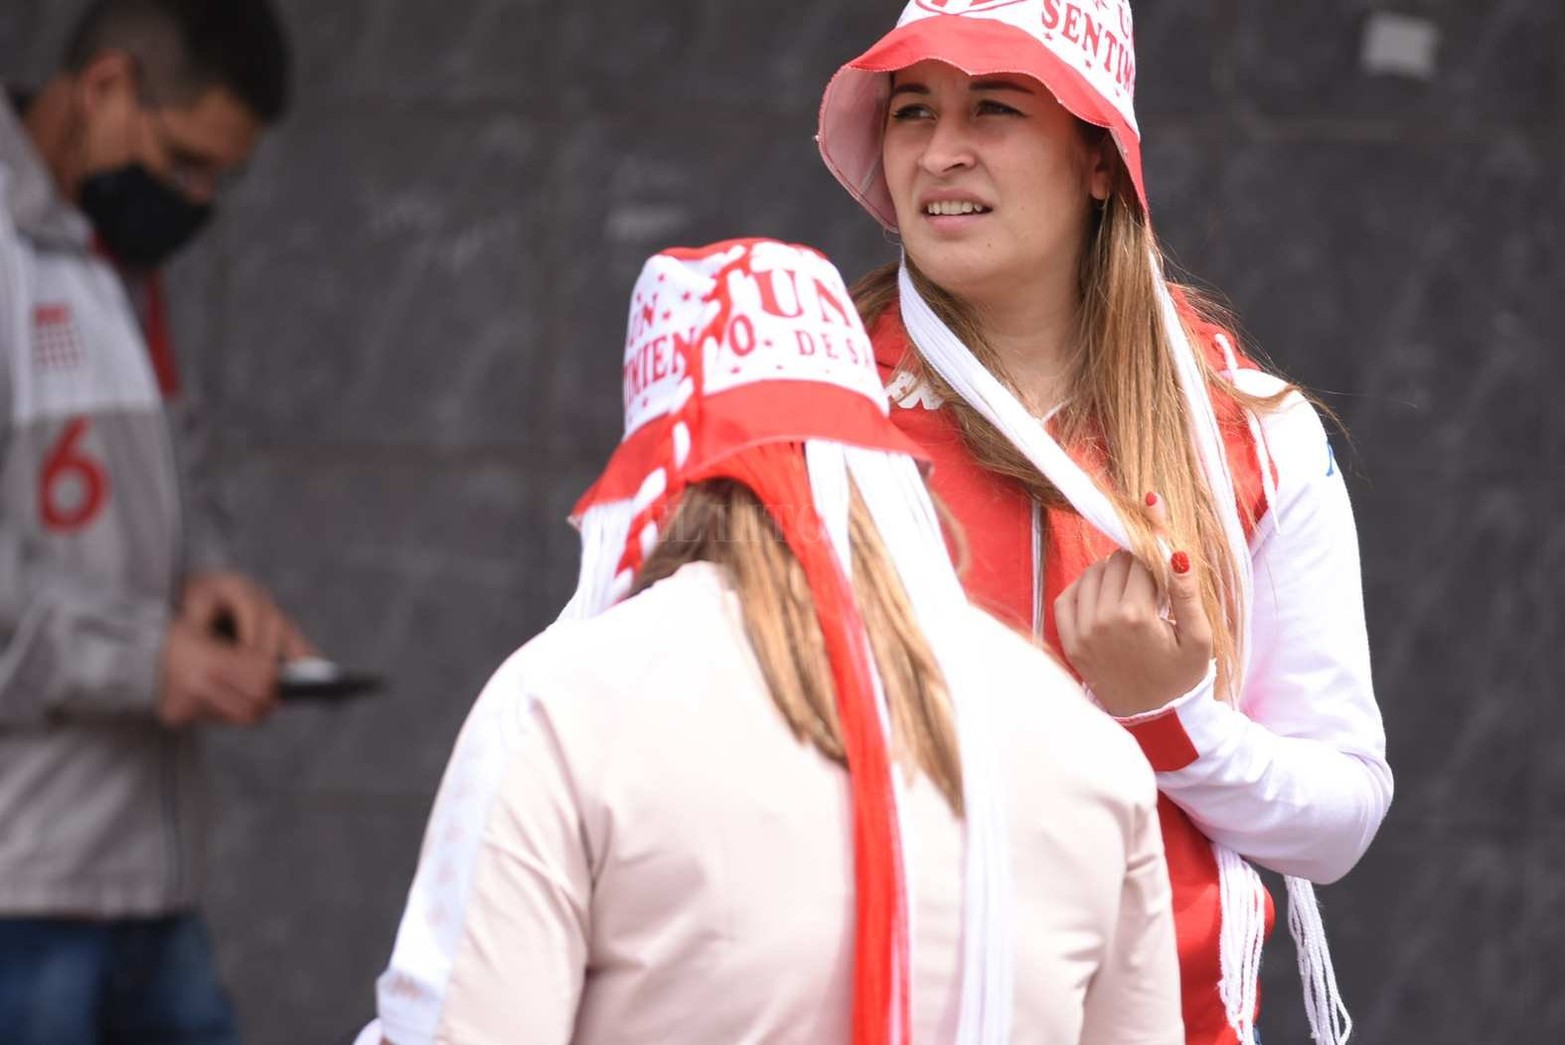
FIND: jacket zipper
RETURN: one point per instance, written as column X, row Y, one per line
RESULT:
column 172, row 742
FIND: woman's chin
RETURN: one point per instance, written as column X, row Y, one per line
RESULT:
column 953, row 272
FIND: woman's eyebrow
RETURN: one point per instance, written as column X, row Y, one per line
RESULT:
column 1000, row 85
column 909, row 87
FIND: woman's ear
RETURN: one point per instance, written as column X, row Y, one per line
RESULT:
column 1102, row 166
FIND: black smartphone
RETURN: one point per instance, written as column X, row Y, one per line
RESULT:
column 310, row 678
column 314, row 678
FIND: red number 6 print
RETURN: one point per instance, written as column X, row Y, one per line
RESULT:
column 73, row 486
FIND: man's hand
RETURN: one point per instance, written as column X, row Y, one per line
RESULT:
column 258, row 625
column 206, row 679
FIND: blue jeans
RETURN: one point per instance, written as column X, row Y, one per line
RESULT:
column 141, row 981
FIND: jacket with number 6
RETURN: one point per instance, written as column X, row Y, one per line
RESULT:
column 99, row 803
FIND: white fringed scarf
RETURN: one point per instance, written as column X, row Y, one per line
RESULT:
column 1243, row 895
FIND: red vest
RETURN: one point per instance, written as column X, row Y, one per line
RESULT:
column 996, row 519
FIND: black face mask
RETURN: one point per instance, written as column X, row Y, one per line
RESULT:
column 140, row 219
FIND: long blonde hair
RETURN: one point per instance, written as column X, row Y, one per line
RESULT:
column 1124, row 398
column 722, row 521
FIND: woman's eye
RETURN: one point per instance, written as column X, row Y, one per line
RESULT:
column 911, row 112
column 988, row 107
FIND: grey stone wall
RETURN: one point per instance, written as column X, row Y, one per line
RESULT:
column 408, row 323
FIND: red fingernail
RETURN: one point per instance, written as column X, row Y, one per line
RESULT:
column 1151, row 500
column 1180, row 563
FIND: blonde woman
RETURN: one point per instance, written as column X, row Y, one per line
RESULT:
column 1132, row 490
column 679, row 815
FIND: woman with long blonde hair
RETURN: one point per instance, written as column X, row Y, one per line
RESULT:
column 771, row 777
column 1133, row 491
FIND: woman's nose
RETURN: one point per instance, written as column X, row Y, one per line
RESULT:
column 949, row 147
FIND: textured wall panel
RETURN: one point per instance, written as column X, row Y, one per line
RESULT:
column 1496, row 62
column 384, row 283
column 408, row 323
column 1414, row 278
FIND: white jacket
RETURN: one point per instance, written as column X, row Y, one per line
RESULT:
column 631, row 846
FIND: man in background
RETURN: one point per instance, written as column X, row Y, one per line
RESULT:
column 118, row 628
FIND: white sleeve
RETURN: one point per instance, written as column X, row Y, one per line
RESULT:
column 1296, row 779
column 502, row 875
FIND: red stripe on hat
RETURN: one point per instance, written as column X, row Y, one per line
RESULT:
column 792, row 412
column 765, row 412
column 643, row 452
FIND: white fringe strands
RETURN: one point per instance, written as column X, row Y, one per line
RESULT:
column 1330, row 1023
column 1240, row 940
column 605, row 528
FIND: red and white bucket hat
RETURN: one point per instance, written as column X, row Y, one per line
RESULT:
column 1081, row 51
column 728, row 347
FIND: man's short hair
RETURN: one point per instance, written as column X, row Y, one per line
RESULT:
column 187, row 47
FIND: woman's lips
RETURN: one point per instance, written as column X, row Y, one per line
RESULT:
column 954, row 208
column 953, row 212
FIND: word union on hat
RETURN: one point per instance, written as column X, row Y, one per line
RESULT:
column 757, row 311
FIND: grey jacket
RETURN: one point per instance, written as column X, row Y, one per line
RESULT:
column 99, row 804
